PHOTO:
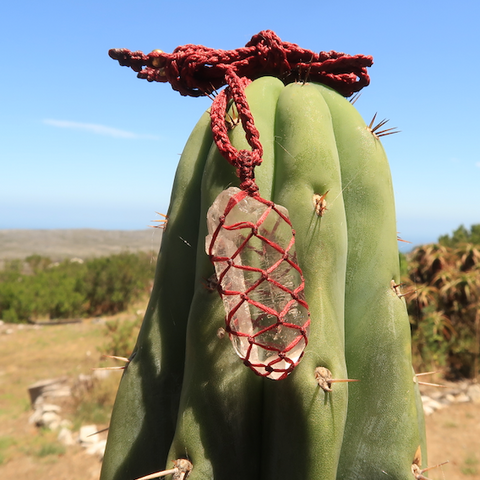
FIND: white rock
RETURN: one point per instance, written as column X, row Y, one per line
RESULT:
column 35, row 417
column 82, row 378
column 65, row 437
column 431, row 404
column 50, row 420
column 426, row 400
column 53, row 387
column 436, row 394
column 60, row 392
column 449, row 398
column 474, row 392
column 86, row 435
column 50, row 407
column 463, row 385
column 101, row 374
column 454, row 390
column 462, row 398
column 427, row 410
column 45, row 414
column 66, row 424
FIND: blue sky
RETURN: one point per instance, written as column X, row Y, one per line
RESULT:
column 85, row 144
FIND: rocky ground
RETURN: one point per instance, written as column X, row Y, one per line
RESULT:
column 43, row 437
column 453, row 430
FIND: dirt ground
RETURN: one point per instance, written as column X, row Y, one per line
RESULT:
column 31, row 354
column 453, row 435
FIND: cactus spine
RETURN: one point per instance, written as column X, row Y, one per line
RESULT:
column 185, row 393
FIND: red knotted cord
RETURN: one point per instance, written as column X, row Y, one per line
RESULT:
column 244, row 161
column 195, row 70
column 270, row 340
column 287, row 317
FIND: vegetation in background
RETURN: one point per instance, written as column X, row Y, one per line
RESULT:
column 445, row 309
column 461, row 236
column 112, row 283
column 39, row 289
column 121, row 336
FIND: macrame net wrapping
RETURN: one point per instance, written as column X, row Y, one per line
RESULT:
column 252, row 246
column 251, row 241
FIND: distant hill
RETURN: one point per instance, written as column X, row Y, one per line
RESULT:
column 82, row 243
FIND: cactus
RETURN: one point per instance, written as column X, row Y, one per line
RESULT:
column 187, row 405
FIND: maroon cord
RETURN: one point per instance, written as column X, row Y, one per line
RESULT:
column 195, row 70
column 244, row 161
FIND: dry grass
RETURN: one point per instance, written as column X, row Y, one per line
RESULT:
column 31, row 354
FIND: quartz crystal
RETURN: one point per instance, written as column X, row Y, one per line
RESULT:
column 251, row 244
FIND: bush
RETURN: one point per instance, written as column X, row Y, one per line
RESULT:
column 461, row 235
column 112, row 283
column 445, row 312
column 37, row 288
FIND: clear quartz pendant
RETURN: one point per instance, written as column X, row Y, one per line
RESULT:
column 252, row 246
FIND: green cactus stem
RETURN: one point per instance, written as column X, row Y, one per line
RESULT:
column 309, row 262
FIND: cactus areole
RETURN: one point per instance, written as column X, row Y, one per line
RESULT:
column 296, row 231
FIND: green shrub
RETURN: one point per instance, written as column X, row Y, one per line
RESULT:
column 100, row 286
column 112, row 283
column 38, row 263
column 57, row 291
column 461, row 235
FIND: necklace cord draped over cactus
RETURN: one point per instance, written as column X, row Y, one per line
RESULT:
column 195, row 70
column 267, row 314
